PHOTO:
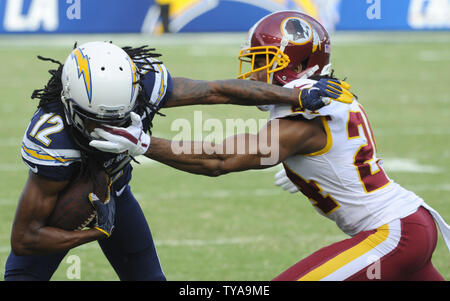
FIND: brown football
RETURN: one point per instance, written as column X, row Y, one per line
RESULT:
column 73, row 210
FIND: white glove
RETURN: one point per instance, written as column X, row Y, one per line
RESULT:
column 132, row 139
column 281, row 179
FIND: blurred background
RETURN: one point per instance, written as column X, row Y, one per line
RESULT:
column 163, row 16
column 395, row 54
column 181, row 16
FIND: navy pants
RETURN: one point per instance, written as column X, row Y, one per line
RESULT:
column 130, row 249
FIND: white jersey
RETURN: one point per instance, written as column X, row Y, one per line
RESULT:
column 345, row 180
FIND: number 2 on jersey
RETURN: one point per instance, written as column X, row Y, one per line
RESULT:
column 371, row 174
column 364, row 157
column 42, row 135
column 313, row 191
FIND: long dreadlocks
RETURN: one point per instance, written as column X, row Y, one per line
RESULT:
column 51, row 93
column 139, row 54
column 52, row 90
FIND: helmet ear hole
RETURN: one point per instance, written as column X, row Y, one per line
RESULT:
column 304, row 64
column 120, row 68
column 102, row 68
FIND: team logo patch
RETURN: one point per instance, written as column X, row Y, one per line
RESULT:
column 297, row 30
column 83, row 69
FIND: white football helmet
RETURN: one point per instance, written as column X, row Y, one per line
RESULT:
column 99, row 82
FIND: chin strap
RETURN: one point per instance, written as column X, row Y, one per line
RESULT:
column 326, row 70
column 283, row 44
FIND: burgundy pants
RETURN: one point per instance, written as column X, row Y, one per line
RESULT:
column 400, row 250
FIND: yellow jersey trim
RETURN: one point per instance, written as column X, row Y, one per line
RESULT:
column 329, row 143
column 348, row 256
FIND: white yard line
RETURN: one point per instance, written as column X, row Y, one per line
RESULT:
column 12, row 167
column 180, row 242
column 390, row 164
column 202, row 242
column 409, row 166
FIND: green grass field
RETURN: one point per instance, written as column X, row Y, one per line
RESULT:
column 240, row 226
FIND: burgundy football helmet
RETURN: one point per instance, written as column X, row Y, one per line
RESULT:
column 287, row 39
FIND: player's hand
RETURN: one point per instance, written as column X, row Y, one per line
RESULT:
column 132, row 139
column 282, row 180
column 323, row 92
column 105, row 213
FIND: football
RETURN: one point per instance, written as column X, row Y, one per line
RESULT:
column 73, row 210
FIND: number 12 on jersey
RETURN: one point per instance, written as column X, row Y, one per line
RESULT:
column 42, row 134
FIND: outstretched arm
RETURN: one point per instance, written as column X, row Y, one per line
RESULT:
column 251, row 93
column 279, row 139
column 202, row 158
column 273, row 144
column 234, row 91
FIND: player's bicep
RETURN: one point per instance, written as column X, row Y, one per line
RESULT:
column 256, row 151
column 275, row 142
column 241, row 153
column 36, row 202
column 186, row 92
column 298, row 136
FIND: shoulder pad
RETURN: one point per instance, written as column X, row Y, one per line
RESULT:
column 46, row 141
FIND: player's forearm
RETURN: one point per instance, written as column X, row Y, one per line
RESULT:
column 189, row 156
column 248, row 92
column 234, row 91
column 52, row 240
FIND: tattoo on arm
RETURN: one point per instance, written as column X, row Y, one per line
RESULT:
column 234, row 91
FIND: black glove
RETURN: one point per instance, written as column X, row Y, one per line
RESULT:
column 322, row 92
column 105, row 213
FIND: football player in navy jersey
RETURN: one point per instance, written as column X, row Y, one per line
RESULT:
column 103, row 84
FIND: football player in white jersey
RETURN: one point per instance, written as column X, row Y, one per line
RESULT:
column 328, row 153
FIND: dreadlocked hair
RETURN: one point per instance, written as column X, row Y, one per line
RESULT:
column 330, row 76
column 52, row 90
column 147, row 56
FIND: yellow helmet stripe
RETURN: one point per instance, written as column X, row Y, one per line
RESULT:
column 133, row 75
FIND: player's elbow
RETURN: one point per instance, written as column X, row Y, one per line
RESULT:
column 19, row 246
column 22, row 244
column 214, row 168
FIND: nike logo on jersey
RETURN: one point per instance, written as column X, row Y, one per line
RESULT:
column 33, row 169
column 119, row 192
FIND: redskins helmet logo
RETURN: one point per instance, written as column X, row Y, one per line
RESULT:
column 297, row 30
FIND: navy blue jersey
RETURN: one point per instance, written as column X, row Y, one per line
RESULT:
column 49, row 147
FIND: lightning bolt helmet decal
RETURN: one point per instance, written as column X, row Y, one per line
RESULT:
column 83, row 69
